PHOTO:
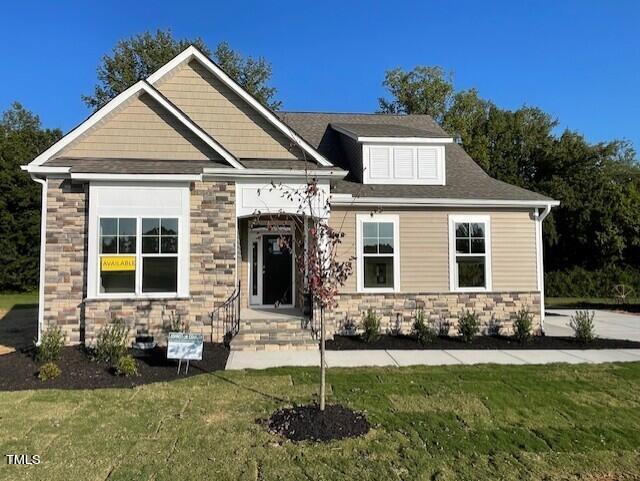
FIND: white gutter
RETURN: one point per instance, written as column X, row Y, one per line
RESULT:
column 137, row 177
column 43, row 243
column 347, row 199
column 322, row 173
column 539, row 217
column 393, row 140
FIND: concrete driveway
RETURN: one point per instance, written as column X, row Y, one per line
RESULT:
column 609, row 324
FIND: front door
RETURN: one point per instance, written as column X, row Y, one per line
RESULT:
column 277, row 270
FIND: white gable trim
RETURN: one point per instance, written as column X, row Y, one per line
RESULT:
column 192, row 52
column 394, row 140
column 136, row 89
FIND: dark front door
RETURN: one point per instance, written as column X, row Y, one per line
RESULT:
column 277, row 262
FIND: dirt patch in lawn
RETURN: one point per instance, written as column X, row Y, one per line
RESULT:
column 308, row 423
column 403, row 342
column 20, row 371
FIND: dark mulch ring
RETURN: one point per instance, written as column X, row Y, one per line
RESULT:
column 20, row 371
column 387, row 341
column 308, row 423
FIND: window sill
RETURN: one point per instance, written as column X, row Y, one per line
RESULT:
column 378, row 290
column 470, row 289
column 159, row 297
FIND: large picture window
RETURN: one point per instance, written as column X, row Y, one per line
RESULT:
column 148, row 259
column 378, row 267
column 469, row 243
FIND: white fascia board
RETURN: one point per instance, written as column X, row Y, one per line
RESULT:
column 44, row 170
column 342, row 199
column 135, row 89
column 284, row 173
column 137, row 177
column 192, row 52
column 394, row 140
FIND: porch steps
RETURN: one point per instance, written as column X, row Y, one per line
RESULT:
column 273, row 335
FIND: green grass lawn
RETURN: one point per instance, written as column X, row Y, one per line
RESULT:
column 22, row 300
column 632, row 304
column 446, row 423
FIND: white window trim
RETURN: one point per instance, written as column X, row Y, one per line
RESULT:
column 97, row 212
column 395, row 219
column 453, row 267
column 440, row 178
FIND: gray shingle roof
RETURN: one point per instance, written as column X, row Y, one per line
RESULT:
column 464, row 178
column 135, row 166
column 384, row 130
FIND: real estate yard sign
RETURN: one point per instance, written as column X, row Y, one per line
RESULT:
column 184, row 347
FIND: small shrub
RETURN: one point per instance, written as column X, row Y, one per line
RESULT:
column 396, row 329
column 127, row 366
column 50, row 370
column 583, row 326
column 422, row 331
column 370, row 326
column 349, row 327
column 51, row 345
column 443, row 327
column 468, row 326
column 493, row 327
column 111, row 343
column 522, row 325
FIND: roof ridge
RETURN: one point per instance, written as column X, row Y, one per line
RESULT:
column 381, row 114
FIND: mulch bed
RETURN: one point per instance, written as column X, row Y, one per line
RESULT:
column 404, row 342
column 19, row 371
column 308, row 423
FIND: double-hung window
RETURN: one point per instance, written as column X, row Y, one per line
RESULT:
column 378, row 253
column 470, row 250
column 139, row 262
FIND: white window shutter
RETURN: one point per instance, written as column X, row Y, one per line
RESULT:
column 403, row 163
column 379, row 163
column 427, row 163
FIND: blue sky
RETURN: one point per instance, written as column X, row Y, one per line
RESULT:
column 577, row 60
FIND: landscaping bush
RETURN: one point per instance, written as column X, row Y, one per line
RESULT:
column 51, row 345
column 111, row 343
column 468, row 326
column 579, row 282
column 583, row 326
column 522, row 325
column 370, row 326
column 127, row 366
column 443, row 327
column 493, row 327
column 422, row 331
column 50, row 370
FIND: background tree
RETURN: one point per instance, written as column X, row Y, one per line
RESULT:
column 136, row 58
column 22, row 138
column 597, row 225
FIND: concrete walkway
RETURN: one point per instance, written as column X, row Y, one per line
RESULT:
column 609, row 324
column 396, row 358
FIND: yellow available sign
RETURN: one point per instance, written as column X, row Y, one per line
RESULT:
column 119, row 263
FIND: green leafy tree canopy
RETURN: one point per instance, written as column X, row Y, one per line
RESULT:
column 22, row 138
column 136, row 58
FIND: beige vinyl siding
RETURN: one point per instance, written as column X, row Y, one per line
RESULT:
column 424, row 248
column 514, row 251
column 223, row 114
column 140, row 129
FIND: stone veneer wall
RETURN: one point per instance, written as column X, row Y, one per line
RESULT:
column 65, row 257
column 397, row 311
column 212, row 273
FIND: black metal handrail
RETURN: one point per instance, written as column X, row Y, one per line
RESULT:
column 229, row 312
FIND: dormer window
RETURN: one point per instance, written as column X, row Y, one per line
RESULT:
column 397, row 154
column 403, row 164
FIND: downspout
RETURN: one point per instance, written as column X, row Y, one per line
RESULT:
column 539, row 218
column 43, row 243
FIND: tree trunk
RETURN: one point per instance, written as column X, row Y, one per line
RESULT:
column 322, row 363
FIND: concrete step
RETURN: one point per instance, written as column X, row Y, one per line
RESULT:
column 273, row 335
